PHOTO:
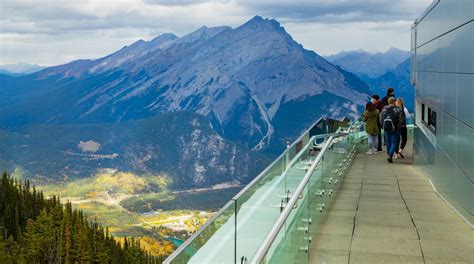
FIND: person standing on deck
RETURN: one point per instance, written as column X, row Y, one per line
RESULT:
column 391, row 119
column 390, row 93
column 403, row 128
column 371, row 119
column 378, row 105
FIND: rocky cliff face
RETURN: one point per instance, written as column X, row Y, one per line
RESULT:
column 181, row 146
column 239, row 78
column 256, row 85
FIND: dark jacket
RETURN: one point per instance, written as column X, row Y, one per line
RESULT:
column 378, row 105
column 385, row 99
column 398, row 115
column 371, row 122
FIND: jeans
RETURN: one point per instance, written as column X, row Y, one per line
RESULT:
column 379, row 139
column 404, row 134
column 392, row 139
column 373, row 141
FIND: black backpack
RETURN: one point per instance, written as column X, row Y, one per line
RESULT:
column 389, row 123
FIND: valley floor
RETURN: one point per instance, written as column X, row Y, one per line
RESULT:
column 139, row 215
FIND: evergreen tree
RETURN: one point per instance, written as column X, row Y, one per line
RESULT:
column 38, row 230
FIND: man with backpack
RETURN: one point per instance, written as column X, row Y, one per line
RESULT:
column 391, row 119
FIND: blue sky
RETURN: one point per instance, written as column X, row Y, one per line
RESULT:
column 50, row 32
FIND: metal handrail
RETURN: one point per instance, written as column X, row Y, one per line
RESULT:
column 265, row 246
column 241, row 192
column 188, row 241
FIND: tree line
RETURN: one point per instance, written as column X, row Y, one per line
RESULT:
column 35, row 229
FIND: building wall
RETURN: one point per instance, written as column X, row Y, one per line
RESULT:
column 443, row 75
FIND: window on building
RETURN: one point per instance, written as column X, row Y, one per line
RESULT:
column 428, row 117
column 432, row 119
column 423, row 113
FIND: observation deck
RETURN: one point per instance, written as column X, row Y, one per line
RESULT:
column 325, row 201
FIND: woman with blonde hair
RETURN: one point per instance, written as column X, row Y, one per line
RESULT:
column 403, row 129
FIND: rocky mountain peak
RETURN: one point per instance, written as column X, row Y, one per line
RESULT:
column 246, row 80
column 203, row 33
column 260, row 23
column 167, row 36
column 163, row 39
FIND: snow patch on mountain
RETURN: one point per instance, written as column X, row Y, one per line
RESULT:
column 89, row 146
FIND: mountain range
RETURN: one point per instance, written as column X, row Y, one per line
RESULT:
column 399, row 79
column 380, row 71
column 253, row 85
column 20, row 69
column 362, row 62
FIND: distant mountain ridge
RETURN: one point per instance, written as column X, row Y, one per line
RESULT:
column 366, row 64
column 398, row 78
column 18, row 69
column 380, row 71
column 345, row 53
column 256, row 85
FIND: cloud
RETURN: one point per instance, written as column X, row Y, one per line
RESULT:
column 53, row 16
column 176, row 2
column 335, row 37
column 337, row 11
column 32, row 29
column 56, row 17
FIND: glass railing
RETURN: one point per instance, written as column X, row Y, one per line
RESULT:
column 235, row 233
column 290, row 238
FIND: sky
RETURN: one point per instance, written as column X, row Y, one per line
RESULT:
column 51, row 32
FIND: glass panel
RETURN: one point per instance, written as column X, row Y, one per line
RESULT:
column 293, row 246
column 257, row 207
column 240, row 229
column 316, row 197
column 263, row 206
column 293, row 242
column 204, row 247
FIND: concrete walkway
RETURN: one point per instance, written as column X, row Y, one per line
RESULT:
column 389, row 213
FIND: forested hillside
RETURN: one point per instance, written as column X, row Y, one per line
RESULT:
column 34, row 229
